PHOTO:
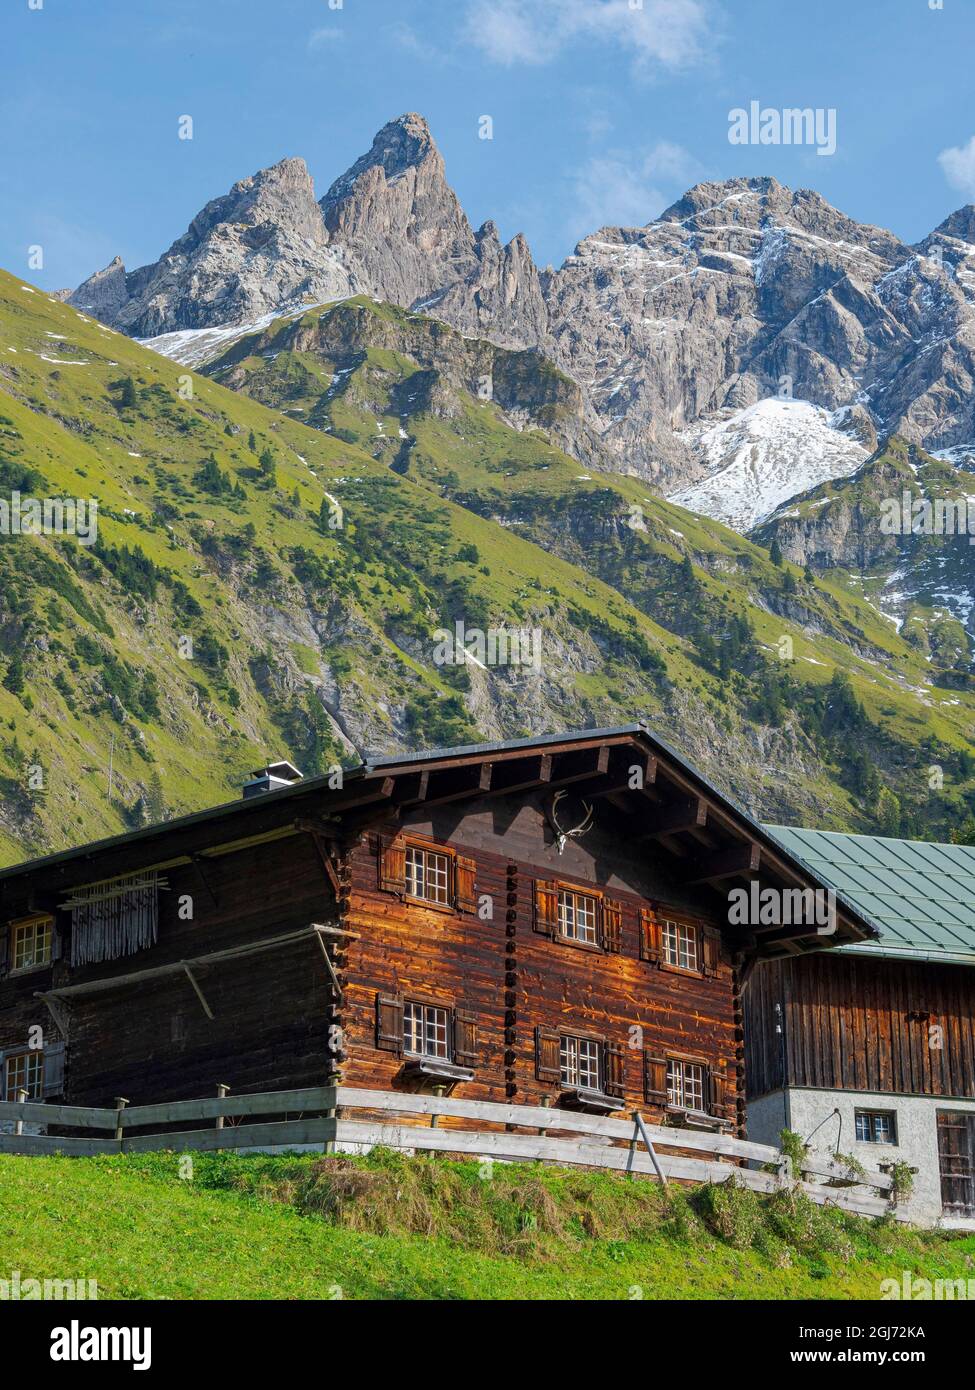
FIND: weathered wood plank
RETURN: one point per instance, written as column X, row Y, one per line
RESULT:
column 210, row 1107
column 36, row 1112
column 541, row 1117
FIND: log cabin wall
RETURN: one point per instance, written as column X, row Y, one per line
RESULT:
column 152, row 1041
column 861, row 1023
column 514, row 979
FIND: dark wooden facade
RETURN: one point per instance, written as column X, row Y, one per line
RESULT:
column 236, row 989
column 844, row 1021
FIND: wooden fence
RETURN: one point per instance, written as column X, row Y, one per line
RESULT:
column 319, row 1117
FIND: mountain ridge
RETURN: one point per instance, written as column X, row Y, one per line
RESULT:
column 739, row 286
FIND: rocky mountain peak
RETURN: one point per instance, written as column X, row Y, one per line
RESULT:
column 401, row 144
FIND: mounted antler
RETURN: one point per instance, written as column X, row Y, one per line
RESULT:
column 563, row 835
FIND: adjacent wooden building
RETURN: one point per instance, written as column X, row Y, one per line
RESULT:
column 534, row 922
column 870, row 1049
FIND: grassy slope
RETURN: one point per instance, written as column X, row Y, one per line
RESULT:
column 392, row 1227
column 423, row 423
column 362, row 622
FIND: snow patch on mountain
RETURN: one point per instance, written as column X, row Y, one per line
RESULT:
column 760, row 457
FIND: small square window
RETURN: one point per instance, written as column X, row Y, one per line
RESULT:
column 25, row 1071
column 578, row 916
column 31, row 943
column 579, row 1063
column 685, row 1085
column 426, row 1031
column 876, row 1126
column 679, row 945
column 427, row 875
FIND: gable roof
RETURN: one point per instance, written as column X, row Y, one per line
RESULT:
column 712, row 839
column 920, row 894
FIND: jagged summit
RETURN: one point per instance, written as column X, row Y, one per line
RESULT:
column 741, row 289
column 400, row 145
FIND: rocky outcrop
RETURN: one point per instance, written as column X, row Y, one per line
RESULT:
column 260, row 248
column 743, row 290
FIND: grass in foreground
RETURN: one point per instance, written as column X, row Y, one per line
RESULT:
column 388, row 1226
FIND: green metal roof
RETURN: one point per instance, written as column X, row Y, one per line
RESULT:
column 920, row 895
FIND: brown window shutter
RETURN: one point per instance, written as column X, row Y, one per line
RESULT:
column 649, row 936
column 548, row 1066
column 546, row 906
column 723, row 1094
column 389, row 1022
column 711, row 950
column 392, row 864
column 465, row 1038
column 612, row 925
column 466, row 887
column 655, row 1079
column 5, row 933
column 614, row 1069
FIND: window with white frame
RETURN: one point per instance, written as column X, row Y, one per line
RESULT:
column 427, row 875
column 876, row 1126
column 31, row 942
column 685, row 1084
column 24, row 1072
column 426, row 1030
column 577, row 916
column 579, row 1062
column 679, row 944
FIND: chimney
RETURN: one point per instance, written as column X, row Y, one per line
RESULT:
column 271, row 779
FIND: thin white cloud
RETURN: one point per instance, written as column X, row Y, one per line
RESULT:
column 958, row 164
column 320, row 38
column 667, row 33
column 619, row 191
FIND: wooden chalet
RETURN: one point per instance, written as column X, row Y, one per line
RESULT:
column 870, row 1049
column 540, row 922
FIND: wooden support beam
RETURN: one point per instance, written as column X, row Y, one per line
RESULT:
column 509, row 778
column 56, row 1010
column 199, row 993
column 457, row 786
column 670, row 818
column 744, row 858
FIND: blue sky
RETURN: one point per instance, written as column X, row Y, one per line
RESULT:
column 603, row 110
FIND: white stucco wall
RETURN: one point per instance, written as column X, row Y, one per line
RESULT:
column 801, row 1110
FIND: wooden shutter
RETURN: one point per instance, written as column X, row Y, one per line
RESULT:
column 389, row 1022
column 548, row 1066
column 392, row 864
column 710, row 950
column 722, row 1089
column 649, row 936
column 53, row 1070
column 655, row 1079
column 546, row 906
column 612, row 925
column 614, row 1056
column 466, row 887
column 56, row 945
column 4, row 948
column 465, row 1038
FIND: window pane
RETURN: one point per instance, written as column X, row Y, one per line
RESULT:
column 685, row 1085
column 25, row 1071
column 32, row 944
column 427, row 875
column 679, row 943
column 579, row 1061
column 577, row 916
